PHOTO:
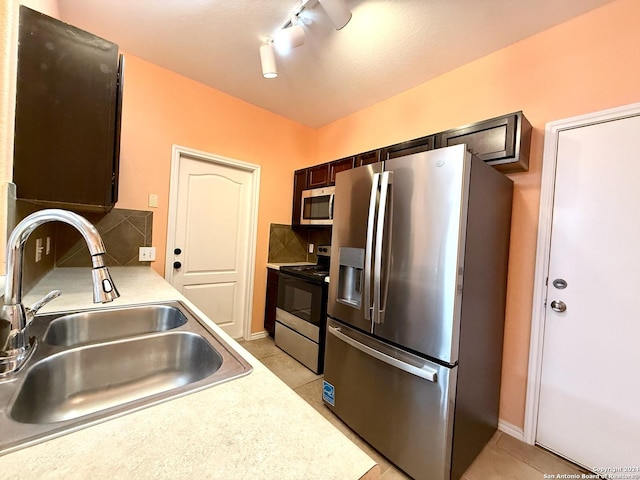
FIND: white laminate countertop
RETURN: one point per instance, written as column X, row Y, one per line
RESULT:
column 254, row 427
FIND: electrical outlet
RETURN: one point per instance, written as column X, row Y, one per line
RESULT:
column 39, row 249
column 147, row 254
column 153, row 200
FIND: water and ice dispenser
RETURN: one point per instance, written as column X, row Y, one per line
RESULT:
column 351, row 276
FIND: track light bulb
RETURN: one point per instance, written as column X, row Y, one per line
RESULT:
column 287, row 38
column 268, row 60
column 337, row 11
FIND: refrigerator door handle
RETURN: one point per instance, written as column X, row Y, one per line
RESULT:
column 423, row 371
column 378, row 311
column 369, row 247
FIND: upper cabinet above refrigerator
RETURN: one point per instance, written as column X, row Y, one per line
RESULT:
column 502, row 142
column 68, row 110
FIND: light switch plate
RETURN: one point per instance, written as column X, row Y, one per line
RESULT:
column 153, row 200
column 147, row 254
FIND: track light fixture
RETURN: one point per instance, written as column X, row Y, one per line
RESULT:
column 291, row 34
column 290, row 37
column 337, row 11
column 268, row 60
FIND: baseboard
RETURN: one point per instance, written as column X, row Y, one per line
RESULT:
column 257, row 335
column 511, row 430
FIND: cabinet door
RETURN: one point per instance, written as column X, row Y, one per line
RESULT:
column 318, row 176
column 503, row 142
column 66, row 131
column 299, row 185
column 271, row 301
column 417, row 145
column 338, row 166
column 368, row 158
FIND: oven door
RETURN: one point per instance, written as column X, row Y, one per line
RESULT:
column 301, row 306
column 317, row 206
column 300, row 320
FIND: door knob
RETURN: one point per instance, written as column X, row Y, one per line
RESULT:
column 558, row 306
column 177, row 264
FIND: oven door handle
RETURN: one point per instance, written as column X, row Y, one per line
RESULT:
column 368, row 307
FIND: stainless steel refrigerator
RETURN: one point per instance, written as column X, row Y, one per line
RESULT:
column 416, row 304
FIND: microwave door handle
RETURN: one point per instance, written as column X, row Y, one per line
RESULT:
column 331, row 198
column 378, row 313
column 302, row 205
column 369, row 247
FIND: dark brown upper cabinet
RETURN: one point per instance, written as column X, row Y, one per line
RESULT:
column 502, row 142
column 338, row 166
column 318, row 176
column 299, row 185
column 417, row 145
column 368, row 158
column 68, row 110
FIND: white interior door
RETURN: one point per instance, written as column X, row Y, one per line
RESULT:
column 589, row 404
column 213, row 235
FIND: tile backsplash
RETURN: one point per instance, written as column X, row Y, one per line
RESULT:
column 287, row 244
column 122, row 231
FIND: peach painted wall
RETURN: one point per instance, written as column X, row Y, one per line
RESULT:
column 162, row 108
column 584, row 65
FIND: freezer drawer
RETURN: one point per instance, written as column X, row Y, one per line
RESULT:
column 399, row 403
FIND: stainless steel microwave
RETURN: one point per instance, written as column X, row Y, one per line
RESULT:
column 317, row 206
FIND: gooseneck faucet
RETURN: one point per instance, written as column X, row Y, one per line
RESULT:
column 15, row 344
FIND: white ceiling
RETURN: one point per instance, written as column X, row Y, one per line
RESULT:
column 388, row 47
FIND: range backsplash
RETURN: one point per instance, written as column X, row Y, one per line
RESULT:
column 287, row 244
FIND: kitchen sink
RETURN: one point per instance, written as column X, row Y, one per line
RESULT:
column 99, row 325
column 55, row 389
column 95, row 365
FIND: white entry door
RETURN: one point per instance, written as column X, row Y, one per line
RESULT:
column 210, row 254
column 589, row 404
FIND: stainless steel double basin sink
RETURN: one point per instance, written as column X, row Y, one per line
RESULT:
column 93, row 365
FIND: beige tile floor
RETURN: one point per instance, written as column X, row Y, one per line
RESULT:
column 503, row 458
